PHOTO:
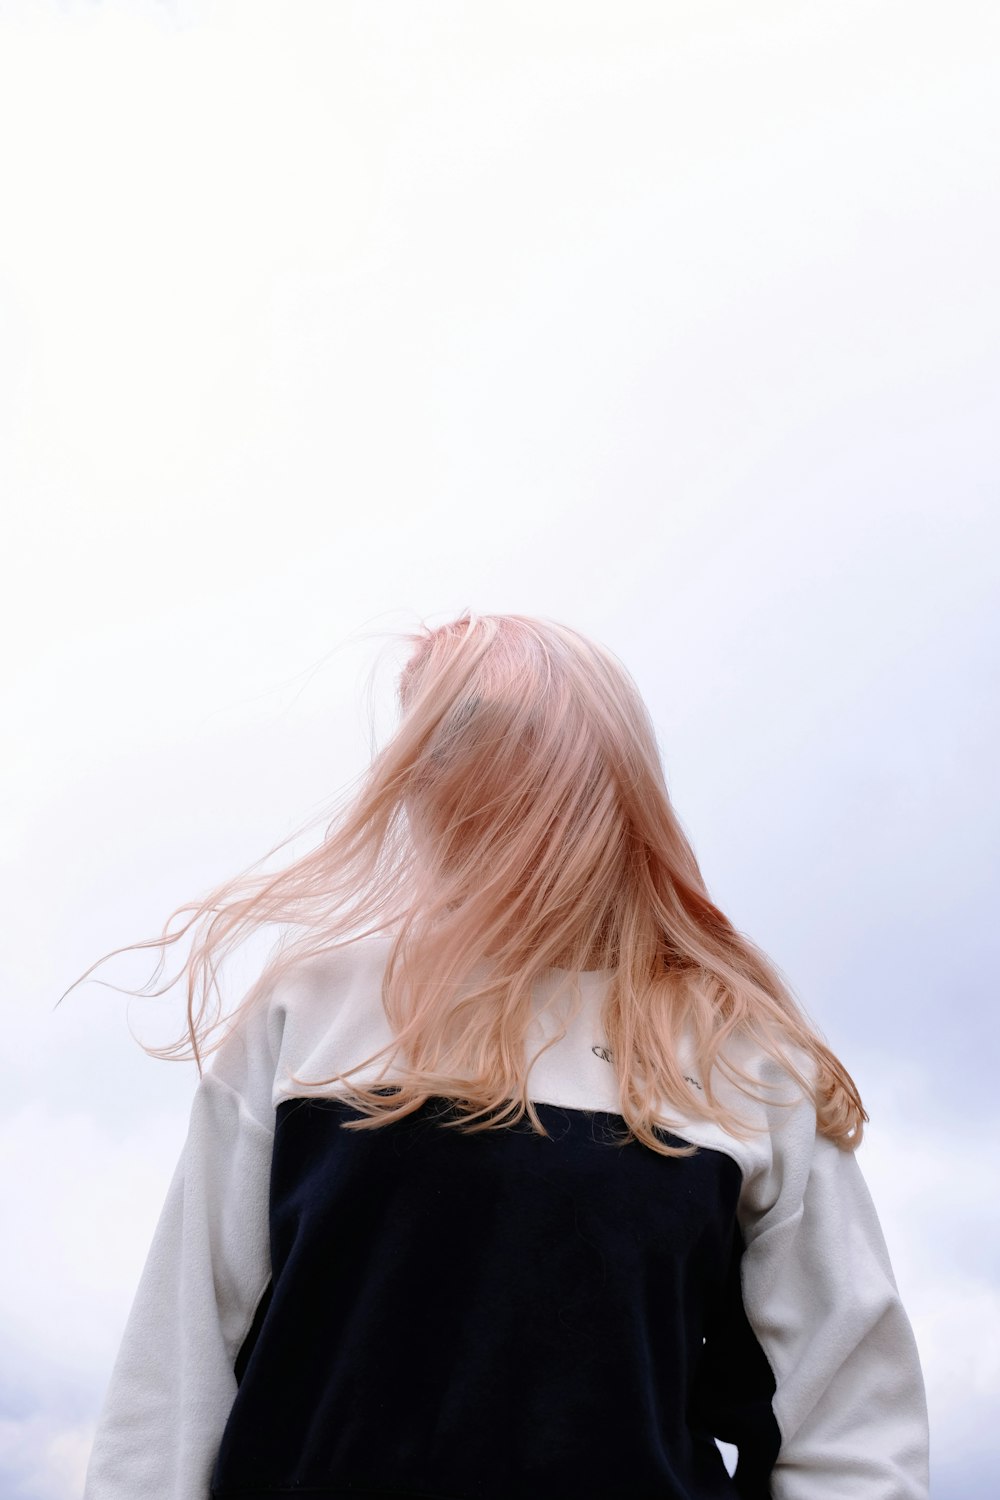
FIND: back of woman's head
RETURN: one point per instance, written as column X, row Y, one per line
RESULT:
column 531, row 772
column 518, row 819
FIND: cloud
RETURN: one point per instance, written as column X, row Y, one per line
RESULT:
column 87, row 1203
column 87, row 1198
column 42, row 1459
column 930, row 1183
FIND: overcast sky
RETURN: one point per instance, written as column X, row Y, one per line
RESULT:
column 674, row 321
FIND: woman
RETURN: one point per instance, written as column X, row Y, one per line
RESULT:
column 597, row 1208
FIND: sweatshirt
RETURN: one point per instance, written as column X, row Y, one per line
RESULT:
column 417, row 1311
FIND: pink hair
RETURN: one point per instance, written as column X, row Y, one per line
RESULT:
column 517, row 820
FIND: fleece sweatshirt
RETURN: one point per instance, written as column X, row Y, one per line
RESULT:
column 414, row 1311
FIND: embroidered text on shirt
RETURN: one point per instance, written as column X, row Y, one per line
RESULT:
column 605, row 1054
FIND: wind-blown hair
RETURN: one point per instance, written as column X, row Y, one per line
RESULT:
column 518, row 820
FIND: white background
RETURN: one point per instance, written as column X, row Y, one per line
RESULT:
column 674, row 321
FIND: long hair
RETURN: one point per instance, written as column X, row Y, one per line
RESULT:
column 518, row 820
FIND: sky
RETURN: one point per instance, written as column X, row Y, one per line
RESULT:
column 676, row 322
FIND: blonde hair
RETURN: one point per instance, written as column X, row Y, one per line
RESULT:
column 518, row 820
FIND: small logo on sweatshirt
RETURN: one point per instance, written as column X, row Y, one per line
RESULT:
column 604, row 1053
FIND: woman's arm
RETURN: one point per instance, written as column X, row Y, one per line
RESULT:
column 172, row 1385
column 821, row 1298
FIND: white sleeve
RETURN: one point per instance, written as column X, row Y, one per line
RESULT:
column 172, row 1385
column 820, row 1295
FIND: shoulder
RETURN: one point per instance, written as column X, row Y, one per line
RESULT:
column 353, row 960
column 772, row 1090
column 318, row 978
column 288, row 1010
column 760, row 1090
